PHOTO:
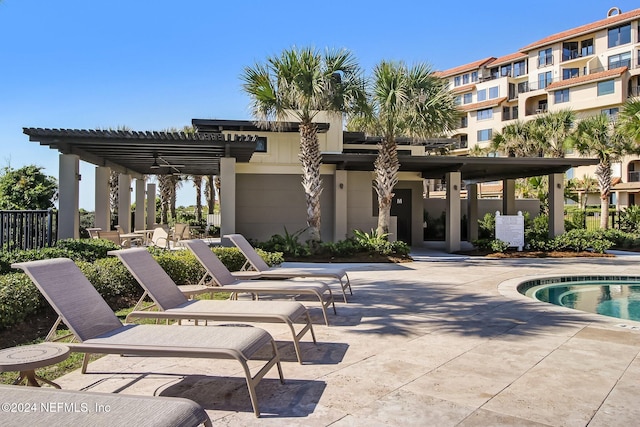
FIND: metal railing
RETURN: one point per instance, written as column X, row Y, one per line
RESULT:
column 28, row 229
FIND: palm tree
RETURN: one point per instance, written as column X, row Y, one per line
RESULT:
column 598, row 136
column 197, row 183
column 630, row 119
column 515, row 140
column 165, row 191
column 301, row 83
column 404, row 101
column 552, row 132
column 210, row 192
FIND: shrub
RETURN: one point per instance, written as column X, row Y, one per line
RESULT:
column 87, row 249
column 498, row 245
column 112, row 280
column 582, row 240
column 630, row 219
column 8, row 258
column 181, row 266
column 19, row 299
column 287, row 244
column 487, row 226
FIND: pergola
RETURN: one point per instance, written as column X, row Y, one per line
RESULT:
column 134, row 155
column 211, row 152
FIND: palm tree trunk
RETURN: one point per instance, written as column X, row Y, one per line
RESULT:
column 164, row 187
column 311, row 182
column 210, row 193
column 386, row 167
column 603, row 172
column 197, row 182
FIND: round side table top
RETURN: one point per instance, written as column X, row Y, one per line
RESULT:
column 30, row 357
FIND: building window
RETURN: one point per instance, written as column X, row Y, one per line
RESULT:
column 514, row 112
column 494, row 92
column 464, row 121
column 544, row 80
column 519, row 68
column 560, row 96
column 464, row 141
column 465, row 79
column 457, row 99
column 569, row 73
column 485, row 135
column 586, row 47
column 545, row 57
column 261, row 144
column 482, row 95
column 506, row 113
column 505, row 71
column 468, row 98
column 474, row 76
column 569, row 50
column 456, row 81
column 620, row 60
column 619, row 35
column 495, row 72
column 605, row 88
column 611, row 113
column 485, row 114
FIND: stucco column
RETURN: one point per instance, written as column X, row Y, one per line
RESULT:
column 69, row 197
column 228, row 195
column 509, row 197
column 452, row 227
column 472, row 212
column 140, row 197
column 556, row 204
column 102, row 198
column 340, row 222
column 151, row 206
column 124, row 202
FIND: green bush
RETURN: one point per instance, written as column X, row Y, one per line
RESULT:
column 630, row 219
column 87, row 249
column 288, row 244
column 581, row 240
column 19, row 299
column 487, row 226
column 498, row 245
column 181, row 266
column 8, row 258
column 112, row 280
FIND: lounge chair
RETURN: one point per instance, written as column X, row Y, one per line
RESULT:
column 222, row 279
column 98, row 330
column 262, row 270
column 174, row 305
column 48, row 407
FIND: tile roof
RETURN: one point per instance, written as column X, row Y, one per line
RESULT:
column 465, row 88
column 588, row 78
column 464, row 68
column 483, row 104
column 603, row 23
column 508, row 58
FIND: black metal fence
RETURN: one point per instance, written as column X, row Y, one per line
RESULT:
column 28, row 229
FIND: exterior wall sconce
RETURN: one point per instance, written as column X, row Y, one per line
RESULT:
column 341, row 185
column 559, row 185
column 455, row 187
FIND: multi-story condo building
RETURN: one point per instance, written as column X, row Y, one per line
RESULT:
column 591, row 69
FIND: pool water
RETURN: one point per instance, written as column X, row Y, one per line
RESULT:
column 614, row 296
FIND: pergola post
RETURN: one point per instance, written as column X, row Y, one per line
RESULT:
column 509, row 197
column 102, row 199
column 556, row 204
column 140, row 197
column 124, row 202
column 151, row 206
column 472, row 212
column 69, row 197
column 452, row 227
column 227, row 195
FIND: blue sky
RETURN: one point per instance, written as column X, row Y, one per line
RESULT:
column 151, row 65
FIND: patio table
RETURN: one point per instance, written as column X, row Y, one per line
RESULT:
column 27, row 358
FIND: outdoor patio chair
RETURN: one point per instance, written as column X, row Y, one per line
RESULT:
column 113, row 236
column 98, row 330
column 174, row 305
column 261, row 269
column 161, row 239
column 222, row 280
column 83, row 409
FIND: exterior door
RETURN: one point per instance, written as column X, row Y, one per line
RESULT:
column 401, row 208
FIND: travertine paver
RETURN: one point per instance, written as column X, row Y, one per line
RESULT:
column 434, row 342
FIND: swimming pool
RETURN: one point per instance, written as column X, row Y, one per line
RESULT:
column 614, row 296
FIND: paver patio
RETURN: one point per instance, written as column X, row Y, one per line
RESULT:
column 433, row 342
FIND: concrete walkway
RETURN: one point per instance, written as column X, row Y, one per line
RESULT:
column 436, row 342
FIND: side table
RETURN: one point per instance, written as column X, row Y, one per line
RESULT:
column 27, row 358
